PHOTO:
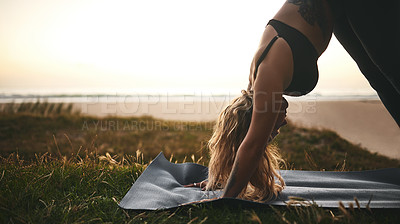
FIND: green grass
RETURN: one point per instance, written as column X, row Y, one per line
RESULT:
column 62, row 168
column 87, row 189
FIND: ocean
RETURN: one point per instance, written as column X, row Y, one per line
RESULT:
column 20, row 95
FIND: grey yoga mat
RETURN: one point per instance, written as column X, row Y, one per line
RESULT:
column 161, row 187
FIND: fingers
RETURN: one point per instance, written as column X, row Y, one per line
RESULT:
column 193, row 185
column 201, row 185
column 204, row 183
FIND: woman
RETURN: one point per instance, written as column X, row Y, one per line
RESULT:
column 242, row 162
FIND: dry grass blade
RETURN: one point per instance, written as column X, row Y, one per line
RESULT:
column 78, row 157
column 310, row 160
column 193, row 158
column 369, row 202
column 112, row 186
column 58, row 149
column 351, row 207
column 343, row 209
column 254, row 217
column 126, row 214
column 140, row 215
column 69, row 141
column 294, row 201
column 192, row 220
column 138, row 153
column 170, row 216
column 203, row 220
column 115, row 200
column 344, row 163
column 333, row 215
column 357, row 203
column 2, row 175
column 280, row 215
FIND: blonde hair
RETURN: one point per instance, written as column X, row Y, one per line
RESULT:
column 231, row 128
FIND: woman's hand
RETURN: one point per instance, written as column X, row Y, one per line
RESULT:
column 201, row 185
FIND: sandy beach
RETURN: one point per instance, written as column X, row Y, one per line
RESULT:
column 367, row 123
column 361, row 122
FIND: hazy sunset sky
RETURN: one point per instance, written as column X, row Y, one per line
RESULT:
column 165, row 44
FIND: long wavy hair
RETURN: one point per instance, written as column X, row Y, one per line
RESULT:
column 230, row 129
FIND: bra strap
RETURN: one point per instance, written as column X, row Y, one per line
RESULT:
column 265, row 52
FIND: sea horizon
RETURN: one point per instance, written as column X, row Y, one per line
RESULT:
column 71, row 95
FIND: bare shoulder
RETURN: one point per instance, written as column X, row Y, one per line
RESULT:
column 276, row 66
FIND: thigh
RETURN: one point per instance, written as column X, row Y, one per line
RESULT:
column 385, row 89
column 375, row 24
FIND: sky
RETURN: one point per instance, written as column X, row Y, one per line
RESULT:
column 165, row 44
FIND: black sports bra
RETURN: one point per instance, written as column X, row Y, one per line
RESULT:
column 305, row 69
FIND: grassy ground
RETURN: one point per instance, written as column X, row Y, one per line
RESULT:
column 59, row 167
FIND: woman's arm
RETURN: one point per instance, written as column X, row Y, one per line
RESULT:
column 274, row 75
column 250, row 151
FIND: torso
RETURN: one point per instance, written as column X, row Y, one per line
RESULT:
column 316, row 25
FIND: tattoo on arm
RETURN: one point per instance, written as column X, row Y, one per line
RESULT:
column 313, row 12
column 232, row 179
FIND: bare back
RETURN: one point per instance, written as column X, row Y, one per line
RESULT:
column 312, row 18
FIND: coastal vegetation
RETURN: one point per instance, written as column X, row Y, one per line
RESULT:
column 58, row 166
